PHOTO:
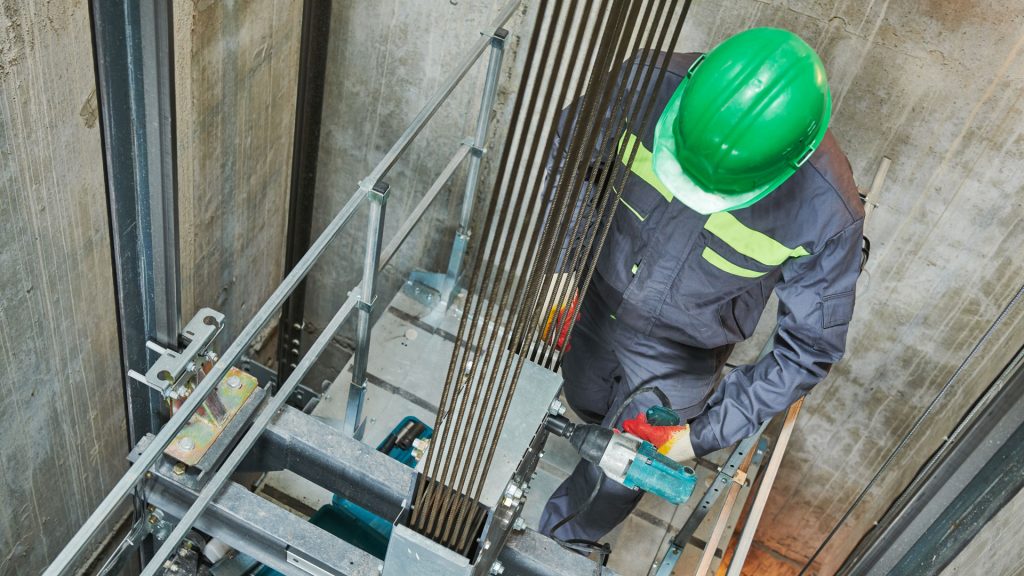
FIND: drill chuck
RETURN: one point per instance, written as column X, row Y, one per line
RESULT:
column 628, row 460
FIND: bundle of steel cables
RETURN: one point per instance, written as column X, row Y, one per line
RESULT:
column 591, row 70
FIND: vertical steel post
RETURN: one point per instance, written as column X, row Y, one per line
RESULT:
column 378, row 197
column 451, row 283
column 309, row 105
column 132, row 43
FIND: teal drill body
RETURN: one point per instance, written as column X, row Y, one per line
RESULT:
column 654, row 472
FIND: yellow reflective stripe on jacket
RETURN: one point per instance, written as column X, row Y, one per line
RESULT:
column 750, row 242
column 643, row 165
column 631, row 209
column 724, row 265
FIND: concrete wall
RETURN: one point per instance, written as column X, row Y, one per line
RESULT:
column 386, row 59
column 236, row 69
column 61, row 407
column 936, row 87
column 933, row 85
column 62, row 430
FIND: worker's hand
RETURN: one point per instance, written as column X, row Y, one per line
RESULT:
column 672, row 441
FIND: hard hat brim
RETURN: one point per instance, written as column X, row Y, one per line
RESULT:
column 685, row 189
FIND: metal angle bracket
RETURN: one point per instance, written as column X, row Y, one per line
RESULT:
column 171, row 371
column 474, row 149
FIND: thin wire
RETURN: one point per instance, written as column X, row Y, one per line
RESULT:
column 913, row 429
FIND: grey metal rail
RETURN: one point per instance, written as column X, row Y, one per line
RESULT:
column 73, row 551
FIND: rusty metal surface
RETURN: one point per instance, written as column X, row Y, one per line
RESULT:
column 209, row 421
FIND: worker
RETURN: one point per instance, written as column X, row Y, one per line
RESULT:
column 737, row 189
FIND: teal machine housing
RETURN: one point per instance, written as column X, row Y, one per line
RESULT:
column 654, row 472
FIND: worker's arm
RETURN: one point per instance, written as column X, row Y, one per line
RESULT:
column 816, row 298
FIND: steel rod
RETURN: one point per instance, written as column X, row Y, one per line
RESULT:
column 252, row 436
column 483, row 121
column 399, row 238
column 435, row 102
column 461, row 240
column 761, row 498
column 378, row 198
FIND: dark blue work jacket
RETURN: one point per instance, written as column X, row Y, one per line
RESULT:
column 677, row 276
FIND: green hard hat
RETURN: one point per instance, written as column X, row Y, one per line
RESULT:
column 747, row 115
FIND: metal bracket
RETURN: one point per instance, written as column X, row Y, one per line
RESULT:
column 474, row 148
column 365, row 306
column 171, row 371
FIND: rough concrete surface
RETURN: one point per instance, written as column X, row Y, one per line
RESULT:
column 936, row 86
column 386, row 59
column 62, row 430
column 236, row 65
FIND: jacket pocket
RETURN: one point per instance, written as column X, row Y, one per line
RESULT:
column 630, row 234
column 837, row 309
column 640, row 200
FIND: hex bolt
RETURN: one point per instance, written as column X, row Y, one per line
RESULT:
column 234, row 382
column 179, row 469
column 497, row 568
column 187, row 444
column 519, row 525
column 514, row 491
column 556, row 408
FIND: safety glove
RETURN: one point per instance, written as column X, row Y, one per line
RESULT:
column 672, row 441
column 559, row 310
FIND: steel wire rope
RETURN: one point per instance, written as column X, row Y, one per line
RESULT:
column 424, row 487
column 551, row 225
column 614, row 170
column 479, row 277
column 516, row 159
column 474, row 485
column 479, row 368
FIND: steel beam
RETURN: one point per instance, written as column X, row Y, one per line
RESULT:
column 261, row 529
column 327, row 457
column 309, row 105
column 132, row 43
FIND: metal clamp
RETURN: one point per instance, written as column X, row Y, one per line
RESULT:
column 171, row 371
column 474, row 149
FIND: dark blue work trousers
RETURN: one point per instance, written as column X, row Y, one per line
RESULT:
column 605, row 363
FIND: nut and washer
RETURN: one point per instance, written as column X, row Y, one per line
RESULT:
column 556, row 408
column 497, row 568
column 519, row 525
